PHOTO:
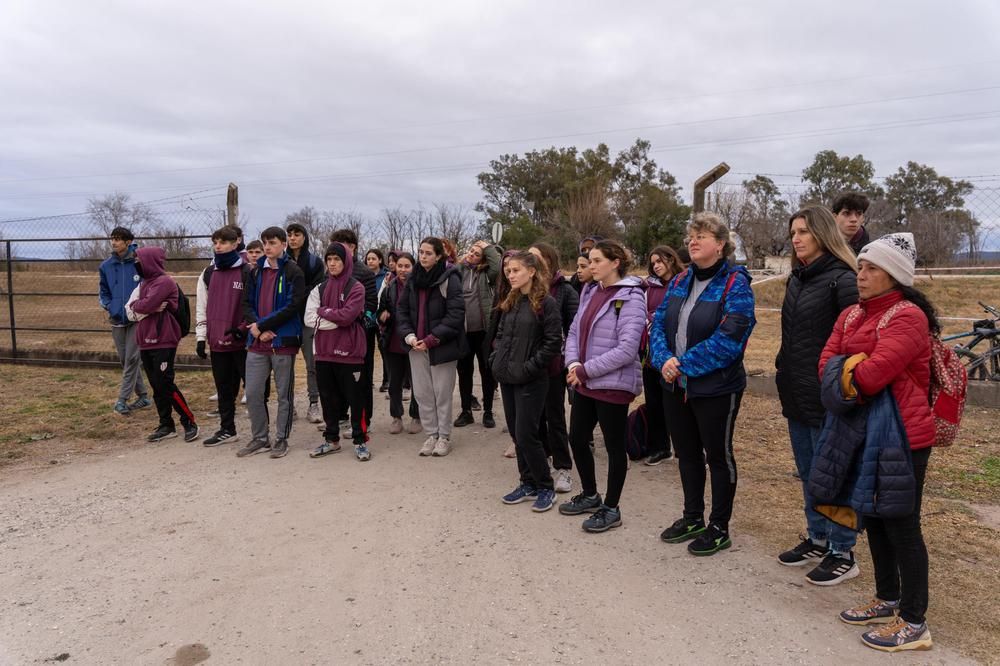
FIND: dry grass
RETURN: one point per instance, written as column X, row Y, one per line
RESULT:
column 54, row 413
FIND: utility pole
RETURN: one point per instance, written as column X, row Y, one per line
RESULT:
column 705, row 182
column 232, row 205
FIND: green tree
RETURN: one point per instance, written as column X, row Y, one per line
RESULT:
column 830, row 174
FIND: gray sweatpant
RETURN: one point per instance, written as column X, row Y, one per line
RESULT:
column 128, row 356
column 433, row 386
column 307, row 353
column 259, row 368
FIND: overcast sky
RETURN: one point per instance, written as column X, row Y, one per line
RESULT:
column 361, row 106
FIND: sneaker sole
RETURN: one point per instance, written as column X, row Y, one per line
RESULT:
column 193, row 436
column 869, row 620
column 275, row 455
column 160, row 439
column 598, row 530
column 924, row 644
column 684, row 537
column 234, row 438
column 543, row 509
column 705, row 553
column 522, row 500
column 313, row 454
column 854, row 572
column 253, row 453
column 574, row 512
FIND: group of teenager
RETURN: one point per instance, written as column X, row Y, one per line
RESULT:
column 600, row 339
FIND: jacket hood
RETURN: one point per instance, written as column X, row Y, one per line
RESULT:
column 630, row 281
column 654, row 281
column 337, row 283
column 448, row 272
column 152, row 259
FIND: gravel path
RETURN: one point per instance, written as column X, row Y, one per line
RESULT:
column 177, row 554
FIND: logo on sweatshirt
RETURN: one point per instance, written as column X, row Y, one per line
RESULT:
column 238, row 285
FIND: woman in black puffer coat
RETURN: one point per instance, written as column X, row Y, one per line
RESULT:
column 529, row 336
column 823, row 282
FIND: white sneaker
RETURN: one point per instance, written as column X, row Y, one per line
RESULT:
column 443, row 447
column 428, row 447
column 214, row 398
column 243, row 400
column 313, row 414
column 563, row 481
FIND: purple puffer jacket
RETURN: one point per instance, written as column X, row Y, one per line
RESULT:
column 612, row 361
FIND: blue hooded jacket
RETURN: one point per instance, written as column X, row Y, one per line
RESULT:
column 118, row 280
column 289, row 299
column 718, row 329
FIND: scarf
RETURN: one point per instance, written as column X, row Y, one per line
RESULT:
column 226, row 260
column 425, row 279
column 708, row 273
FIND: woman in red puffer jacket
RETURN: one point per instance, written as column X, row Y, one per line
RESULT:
column 890, row 330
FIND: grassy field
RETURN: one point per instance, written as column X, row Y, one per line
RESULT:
column 54, row 414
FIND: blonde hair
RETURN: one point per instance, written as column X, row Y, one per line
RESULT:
column 712, row 223
column 823, row 227
column 538, row 290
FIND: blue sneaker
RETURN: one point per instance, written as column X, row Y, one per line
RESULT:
column 121, row 409
column 544, row 500
column 362, row 452
column 141, row 403
column 523, row 493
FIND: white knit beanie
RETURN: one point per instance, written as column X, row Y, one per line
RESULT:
column 896, row 254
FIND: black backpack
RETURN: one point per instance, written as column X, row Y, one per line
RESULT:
column 183, row 314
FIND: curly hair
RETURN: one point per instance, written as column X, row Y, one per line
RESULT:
column 538, row 291
column 713, row 224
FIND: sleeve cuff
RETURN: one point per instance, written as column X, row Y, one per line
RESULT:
column 581, row 372
column 431, row 341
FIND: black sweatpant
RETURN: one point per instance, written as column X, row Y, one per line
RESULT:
column 523, row 405
column 477, row 352
column 339, row 388
column 367, row 377
column 899, row 554
column 159, row 367
column 228, row 371
column 656, row 426
column 552, row 429
column 701, row 430
column 586, row 413
column 398, row 366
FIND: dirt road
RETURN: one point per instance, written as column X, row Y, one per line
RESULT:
column 171, row 553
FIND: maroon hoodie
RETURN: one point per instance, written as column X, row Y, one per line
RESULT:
column 345, row 344
column 158, row 330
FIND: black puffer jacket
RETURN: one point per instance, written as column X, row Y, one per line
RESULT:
column 445, row 314
column 526, row 342
column 814, row 297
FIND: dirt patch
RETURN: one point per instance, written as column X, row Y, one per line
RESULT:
column 189, row 655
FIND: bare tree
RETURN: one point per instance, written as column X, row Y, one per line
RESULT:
column 108, row 212
column 393, row 227
column 332, row 220
column 454, row 223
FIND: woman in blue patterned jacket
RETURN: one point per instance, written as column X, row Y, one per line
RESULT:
column 697, row 340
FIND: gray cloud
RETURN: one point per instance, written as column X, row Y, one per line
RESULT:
column 276, row 98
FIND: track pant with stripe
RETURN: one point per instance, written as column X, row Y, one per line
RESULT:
column 340, row 386
column 701, row 430
column 259, row 368
column 159, row 366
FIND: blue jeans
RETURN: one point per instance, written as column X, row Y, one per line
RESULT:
column 804, row 441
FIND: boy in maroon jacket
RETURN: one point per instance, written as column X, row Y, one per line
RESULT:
column 219, row 326
column 154, row 305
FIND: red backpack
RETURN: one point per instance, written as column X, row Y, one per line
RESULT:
column 949, row 381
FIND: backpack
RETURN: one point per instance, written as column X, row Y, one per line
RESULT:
column 949, row 380
column 183, row 314
column 636, row 444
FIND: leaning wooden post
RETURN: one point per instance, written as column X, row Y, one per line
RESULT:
column 232, row 205
column 705, row 182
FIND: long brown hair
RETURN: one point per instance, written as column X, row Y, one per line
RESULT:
column 823, row 227
column 670, row 257
column 538, row 291
column 550, row 255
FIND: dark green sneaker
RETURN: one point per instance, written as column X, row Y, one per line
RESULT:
column 711, row 541
column 682, row 530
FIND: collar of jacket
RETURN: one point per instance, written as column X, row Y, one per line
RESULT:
column 813, row 268
column 282, row 260
column 873, row 307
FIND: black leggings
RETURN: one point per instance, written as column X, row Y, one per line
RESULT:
column 702, row 429
column 552, row 429
column 399, row 374
column 522, row 407
column 477, row 352
column 899, row 554
column 586, row 413
column 656, row 426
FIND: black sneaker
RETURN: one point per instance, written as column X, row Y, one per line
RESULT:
column 476, row 407
column 220, row 437
column 191, row 431
column 161, row 433
column 711, row 541
column 254, row 446
column 464, row 419
column 682, row 530
column 581, row 504
column 658, row 457
column 802, row 554
column 833, row 570
column 384, row 387
column 280, row 449
column 603, row 520
column 488, row 421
